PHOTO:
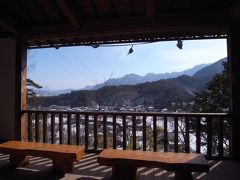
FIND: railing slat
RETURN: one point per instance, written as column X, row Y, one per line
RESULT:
column 52, row 128
column 144, row 129
column 104, row 131
column 220, row 136
column 230, row 132
column 194, row 118
column 77, row 129
column 44, row 128
column 95, row 133
column 209, row 136
column 114, row 132
column 124, row 132
column 29, row 127
column 154, row 133
column 198, row 135
column 165, row 134
column 176, row 133
column 69, row 128
column 187, row 148
column 134, row 131
column 86, row 131
column 37, row 127
column 61, row 128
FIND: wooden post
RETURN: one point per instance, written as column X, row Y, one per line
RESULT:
column 124, row 133
column 144, row 131
column 21, row 91
column 61, row 140
column 134, row 132
column 198, row 135
column 176, row 133
column 233, row 43
column 104, row 131
column 187, row 143
column 114, row 132
column 165, row 134
column 154, row 133
column 209, row 136
column 95, row 131
column 86, row 131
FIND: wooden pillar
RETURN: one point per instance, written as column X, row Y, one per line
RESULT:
column 21, row 90
column 233, row 43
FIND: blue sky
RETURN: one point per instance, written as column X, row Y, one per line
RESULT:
column 76, row 67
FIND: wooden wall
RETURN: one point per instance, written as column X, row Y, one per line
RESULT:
column 7, row 89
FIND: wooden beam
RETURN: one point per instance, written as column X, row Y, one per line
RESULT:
column 151, row 7
column 113, row 8
column 8, row 27
column 164, row 24
column 36, row 3
column 235, row 10
column 68, row 13
column 234, row 61
column 21, row 123
column 25, row 11
column 95, row 9
column 8, row 23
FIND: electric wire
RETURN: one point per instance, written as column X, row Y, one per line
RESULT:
column 71, row 65
column 79, row 61
column 63, row 68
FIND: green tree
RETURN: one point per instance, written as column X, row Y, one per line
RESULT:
column 215, row 98
column 31, row 94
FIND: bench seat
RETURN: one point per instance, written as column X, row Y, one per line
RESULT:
column 126, row 162
column 63, row 156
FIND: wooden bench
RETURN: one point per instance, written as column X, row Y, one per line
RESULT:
column 63, row 156
column 125, row 162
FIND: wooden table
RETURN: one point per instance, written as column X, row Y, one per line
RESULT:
column 125, row 162
column 63, row 156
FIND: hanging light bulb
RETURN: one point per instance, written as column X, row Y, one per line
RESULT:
column 180, row 44
column 130, row 50
column 95, row 45
column 57, row 46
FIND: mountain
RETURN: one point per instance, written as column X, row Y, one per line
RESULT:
column 132, row 79
column 160, row 94
column 171, row 93
column 56, row 92
column 205, row 74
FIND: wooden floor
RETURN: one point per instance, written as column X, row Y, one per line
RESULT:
column 88, row 168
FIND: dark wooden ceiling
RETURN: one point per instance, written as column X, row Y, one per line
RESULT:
column 44, row 23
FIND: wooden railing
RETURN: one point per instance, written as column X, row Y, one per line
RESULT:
column 207, row 133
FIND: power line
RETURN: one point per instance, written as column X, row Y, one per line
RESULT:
column 72, row 66
column 78, row 60
column 64, row 68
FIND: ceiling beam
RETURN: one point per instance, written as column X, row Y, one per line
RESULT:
column 149, row 38
column 43, row 12
column 151, row 7
column 235, row 10
column 8, row 23
column 68, row 12
column 8, row 27
column 94, row 9
column 113, row 8
column 168, row 23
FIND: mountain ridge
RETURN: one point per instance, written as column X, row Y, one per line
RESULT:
column 132, row 79
column 170, row 93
